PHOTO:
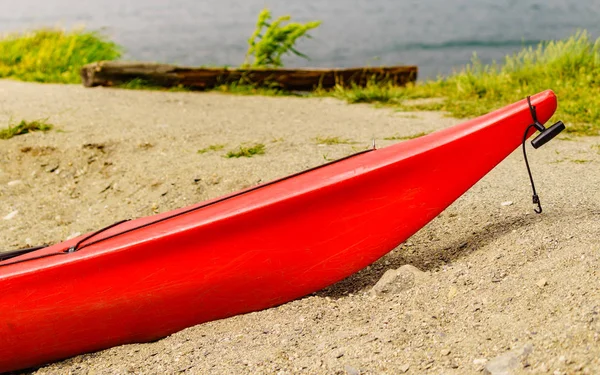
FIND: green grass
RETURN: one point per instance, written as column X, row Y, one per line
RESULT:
column 406, row 137
column 570, row 67
column 381, row 93
column 243, row 88
column 211, row 148
column 25, row 127
column 333, row 141
column 247, row 151
column 141, row 84
column 52, row 55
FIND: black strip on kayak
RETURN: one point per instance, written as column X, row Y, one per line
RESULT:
column 15, row 253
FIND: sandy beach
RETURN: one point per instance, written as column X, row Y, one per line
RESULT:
column 497, row 279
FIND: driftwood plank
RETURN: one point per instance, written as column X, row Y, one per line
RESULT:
column 111, row 73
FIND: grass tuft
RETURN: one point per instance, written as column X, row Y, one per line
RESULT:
column 247, row 151
column 405, row 137
column 333, row 141
column 211, row 148
column 142, row 84
column 384, row 93
column 25, row 127
column 245, row 88
column 52, row 55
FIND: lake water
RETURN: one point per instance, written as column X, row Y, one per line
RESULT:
column 436, row 35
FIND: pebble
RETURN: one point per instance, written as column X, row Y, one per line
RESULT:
column 479, row 361
column 52, row 168
column 452, row 292
column 542, row 283
column 351, row 370
column 396, row 281
column 507, row 203
column 508, row 362
column 11, row 215
column 445, row 352
column 73, row 235
column 404, row 367
column 14, row 183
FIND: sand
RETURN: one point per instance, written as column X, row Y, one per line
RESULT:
column 497, row 277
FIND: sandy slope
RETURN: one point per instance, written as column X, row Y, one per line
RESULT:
column 498, row 277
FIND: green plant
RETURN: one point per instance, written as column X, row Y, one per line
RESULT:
column 266, row 47
column 25, row 127
column 333, row 141
column 50, row 55
column 580, row 161
column 248, row 89
column 247, row 151
column 211, row 148
column 385, row 93
column 406, row 137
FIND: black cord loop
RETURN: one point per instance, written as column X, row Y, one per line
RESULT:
column 535, row 197
column 536, row 124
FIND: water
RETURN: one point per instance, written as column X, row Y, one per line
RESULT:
column 436, row 35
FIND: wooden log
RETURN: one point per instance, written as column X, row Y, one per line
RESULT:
column 112, row 73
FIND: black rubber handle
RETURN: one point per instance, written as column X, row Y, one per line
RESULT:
column 546, row 135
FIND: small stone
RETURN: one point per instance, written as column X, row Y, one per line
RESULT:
column 445, row 352
column 396, row 281
column 11, row 215
column 73, row 235
column 52, row 168
column 14, row 183
column 507, row 363
column 404, row 368
column 351, row 370
column 542, row 283
column 479, row 361
column 452, row 292
column 507, row 203
column 541, row 368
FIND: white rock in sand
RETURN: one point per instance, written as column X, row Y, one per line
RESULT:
column 396, row 281
column 14, row 183
column 73, row 235
column 11, row 215
column 508, row 363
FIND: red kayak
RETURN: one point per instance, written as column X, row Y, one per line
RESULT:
column 144, row 279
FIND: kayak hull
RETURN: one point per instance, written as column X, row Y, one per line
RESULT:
column 247, row 252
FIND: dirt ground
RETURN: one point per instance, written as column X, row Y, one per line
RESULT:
column 497, row 277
